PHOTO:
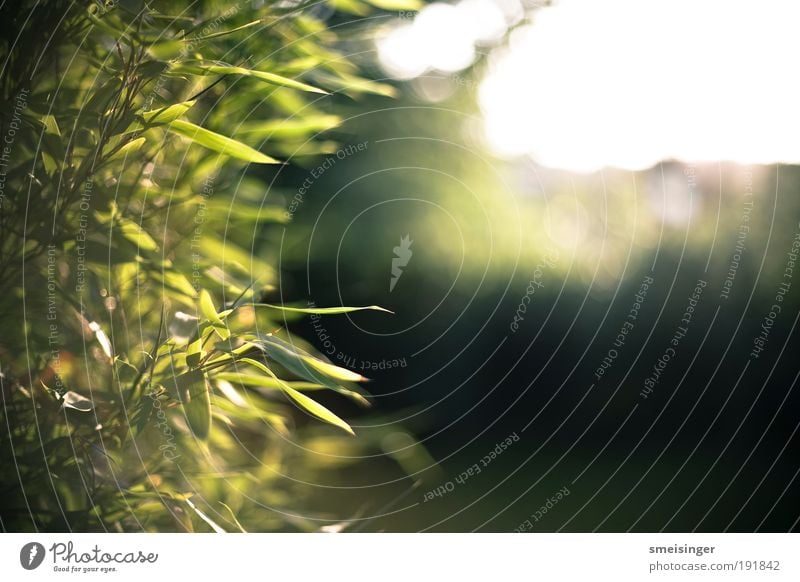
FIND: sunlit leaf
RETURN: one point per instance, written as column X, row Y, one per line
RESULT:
column 226, row 32
column 136, row 234
column 75, row 401
column 353, row 85
column 355, row 7
column 255, row 381
column 411, row 5
column 195, row 353
column 320, row 310
column 129, row 148
column 207, row 308
column 309, row 405
column 290, row 128
column 102, row 339
column 271, row 78
column 305, row 365
column 51, row 125
column 220, row 143
column 233, row 517
column 166, row 114
column 205, row 518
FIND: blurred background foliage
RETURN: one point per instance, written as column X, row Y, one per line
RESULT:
column 484, row 225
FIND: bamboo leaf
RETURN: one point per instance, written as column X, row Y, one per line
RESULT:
column 271, row 78
column 321, row 310
column 205, row 518
column 51, row 125
column 220, row 143
column 195, row 353
column 305, row 365
column 396, row 5
column 225, row 32
column 207, row 308
column 166, row 114
column 128, row 148
column 196, row 402
column 263, row 382
column 309, row 405
column 295, row 127
column 257, row 381
column 135, row 234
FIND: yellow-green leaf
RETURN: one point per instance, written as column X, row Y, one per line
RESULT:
column 220, row 143
column 207, row 308
column 293, row 127
column 321, row 310
column 50, row 125
column 309, row 405
column 166, row 114
column 305, row 365
column 397, row 4
column 271, row 78
column 137, row 235
column 128, row 148
column 225, row 32
column 195, row 353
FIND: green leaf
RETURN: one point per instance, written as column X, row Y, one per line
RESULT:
column 50, row 125
column 271, row 78
column 225, row 32
column 136, row 234
column 128, row 148
column 196, row 402
column 233, row 517
column 220, row 143
column 205, row 518
column 257, row 381
column 304, row 364
column 351, row 7
column 315, row 408
column 321, row 310
column 195, row 353
column 207, row 308
column 354, row 85
column 166, row 114
column 210, row 313
column 291, row 128
column 396, row 5
column 309, row 405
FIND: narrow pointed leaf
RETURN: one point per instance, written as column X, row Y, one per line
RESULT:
column 321, row 310
column 198, row 409
column 207, row 308
column 166, row 114
column 128, row 148
column 304, row 364
column 205, row 518
column 220, row 143
column 271, row 78
column 309, row 405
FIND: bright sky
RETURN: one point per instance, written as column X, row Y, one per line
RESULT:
column 627, row 83
column 624, row 83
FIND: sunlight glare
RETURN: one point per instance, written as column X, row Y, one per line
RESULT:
column 626, row 83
